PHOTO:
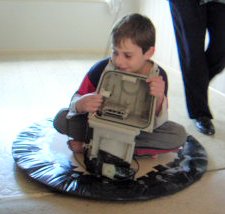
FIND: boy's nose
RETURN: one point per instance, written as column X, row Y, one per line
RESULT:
column 119, row 62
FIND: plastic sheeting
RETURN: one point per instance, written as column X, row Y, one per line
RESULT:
column 59, row 173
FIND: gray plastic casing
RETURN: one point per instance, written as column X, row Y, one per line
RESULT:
column 127, row 109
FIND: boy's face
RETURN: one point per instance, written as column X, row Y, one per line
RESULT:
column 129, row 57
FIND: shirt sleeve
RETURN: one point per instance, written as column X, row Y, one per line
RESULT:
column 162, row 117
column 88, row 85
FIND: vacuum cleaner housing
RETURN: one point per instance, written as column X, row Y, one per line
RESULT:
column 127, row 109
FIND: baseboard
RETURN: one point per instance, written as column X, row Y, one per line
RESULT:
column 56, row 53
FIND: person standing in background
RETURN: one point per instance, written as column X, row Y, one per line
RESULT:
column 199, row 65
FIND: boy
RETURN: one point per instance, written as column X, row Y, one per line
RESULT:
column 133, row 41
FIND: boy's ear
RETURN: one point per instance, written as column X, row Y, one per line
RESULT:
column 150, row 52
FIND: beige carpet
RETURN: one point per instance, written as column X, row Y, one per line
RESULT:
column 33, row 98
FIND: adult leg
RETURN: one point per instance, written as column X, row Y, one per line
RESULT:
column 189, row 21
column 215, row 52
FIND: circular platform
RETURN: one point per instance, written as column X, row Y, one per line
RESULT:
column 33, row 152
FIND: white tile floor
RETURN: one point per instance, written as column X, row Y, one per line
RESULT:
column 36, row 88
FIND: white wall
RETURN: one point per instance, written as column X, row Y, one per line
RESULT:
column 82, row 26
column 57, row 24
column 166, row 50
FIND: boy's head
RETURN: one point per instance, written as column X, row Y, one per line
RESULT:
column 136, row 27
column 133, row 41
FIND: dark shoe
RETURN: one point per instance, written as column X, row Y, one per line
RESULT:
column 205, row 126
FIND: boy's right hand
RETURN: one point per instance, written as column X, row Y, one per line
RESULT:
column 89, row 103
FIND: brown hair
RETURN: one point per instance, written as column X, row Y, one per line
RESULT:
column 136, row 27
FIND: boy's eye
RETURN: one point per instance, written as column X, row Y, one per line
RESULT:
column 128, row 56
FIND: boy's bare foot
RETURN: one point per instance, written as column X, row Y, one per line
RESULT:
column 76, row 146
column 154, row 156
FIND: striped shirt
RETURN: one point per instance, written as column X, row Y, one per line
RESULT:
column 92, row 78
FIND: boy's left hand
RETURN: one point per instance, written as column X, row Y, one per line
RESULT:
column 156, row 86
column 157, row 89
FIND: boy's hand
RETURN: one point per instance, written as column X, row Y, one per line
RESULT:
column 156, row 86
column 157, row 89
column 89, row 103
